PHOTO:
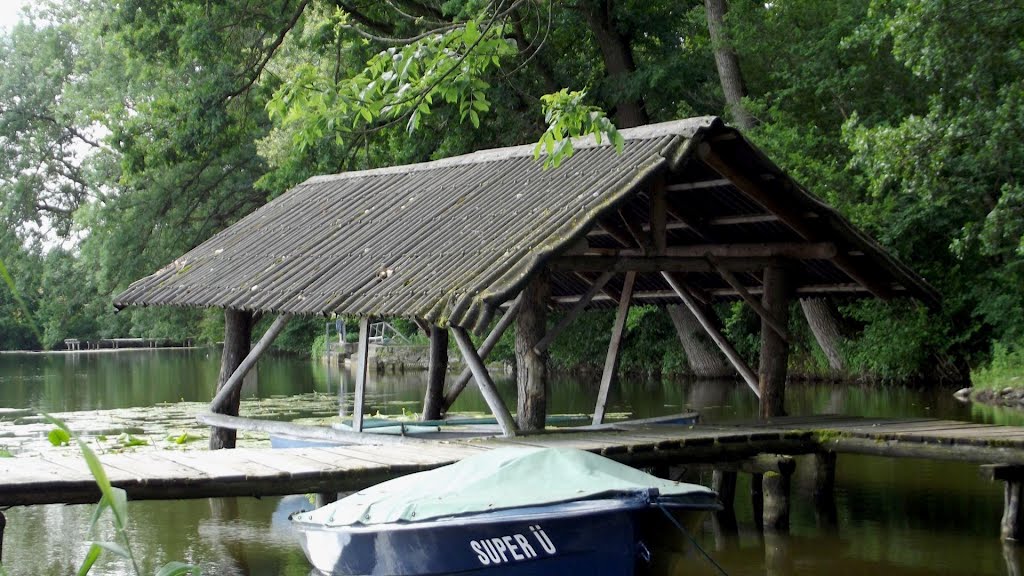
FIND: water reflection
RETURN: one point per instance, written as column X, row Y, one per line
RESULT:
column 903, row 517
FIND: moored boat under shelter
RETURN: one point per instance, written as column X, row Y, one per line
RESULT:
column 690, row 212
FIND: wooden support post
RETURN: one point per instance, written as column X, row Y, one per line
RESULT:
column 611, row 361
column 775, row 486
column 484, row 382
column 433, row 401
column 774, row 349
column 724, row 483
column 757, row 500
column 824, row 497
column 492, row 339
column 362, row 367
column 1012, row 525
column 531, row 366
column 716, row 335
column 574, row 313
column 1012, row 476
column 3, row 525
column 237, row 339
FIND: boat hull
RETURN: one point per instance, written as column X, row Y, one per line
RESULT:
column 591, row 537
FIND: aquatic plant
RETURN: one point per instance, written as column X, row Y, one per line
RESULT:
column 116, row 501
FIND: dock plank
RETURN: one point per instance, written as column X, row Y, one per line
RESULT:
column 64, row 477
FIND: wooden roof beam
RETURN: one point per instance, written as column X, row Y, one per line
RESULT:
column 809, row 290
column 751, row 301
column 795, row 220
column 793, row 250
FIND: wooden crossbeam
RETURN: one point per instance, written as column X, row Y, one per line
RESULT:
column 485, row 349
column 220, row 401
column 810, row 290
column 751, row 301
column 578, row 309
column 683, row 186
column 790, row 250
column 484, row 381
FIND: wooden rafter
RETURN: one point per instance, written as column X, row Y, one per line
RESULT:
column 789, row 216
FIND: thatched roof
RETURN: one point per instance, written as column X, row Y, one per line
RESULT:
column 448, row 241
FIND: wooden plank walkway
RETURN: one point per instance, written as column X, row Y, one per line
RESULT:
column 265, row 472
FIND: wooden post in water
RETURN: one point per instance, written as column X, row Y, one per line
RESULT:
column 3, row 524
column 775, row 485
column 531, row 365
column 723, row 522
column 362, row 366
column 237, row 339
column 1011, row 529
column 433, row 402
column 824, row 471
column 771, row 373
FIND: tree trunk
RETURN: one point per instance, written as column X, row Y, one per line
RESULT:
column 771, row 374
column 617, row 53
column 433, row 403
column 728, row 64
column 531, row 368
column 825, row 327
column 704, row 359
column 237, row 340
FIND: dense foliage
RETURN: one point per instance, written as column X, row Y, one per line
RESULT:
column 131, row 131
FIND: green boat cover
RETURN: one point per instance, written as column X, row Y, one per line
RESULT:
column 501, row 479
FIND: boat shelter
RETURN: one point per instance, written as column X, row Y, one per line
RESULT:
column 690, row 212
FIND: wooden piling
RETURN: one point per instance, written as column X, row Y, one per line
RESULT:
column 237, row 340
column 3, row 525
column 724, row 483
column 531, row 366
column 771, row 373
column 775, row 486
column 824, row 481
column 723, row 522
column 1011, row 527
column 433, row 402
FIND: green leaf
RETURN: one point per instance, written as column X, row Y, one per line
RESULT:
column 114, row 548
column 59, row 437
column 90, row 558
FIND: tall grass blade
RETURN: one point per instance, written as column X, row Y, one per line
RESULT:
column 179, row 569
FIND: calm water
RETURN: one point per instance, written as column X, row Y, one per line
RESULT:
column 903, row 517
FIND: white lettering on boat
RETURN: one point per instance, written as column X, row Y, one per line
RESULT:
column 514, row 547
column 543, row 539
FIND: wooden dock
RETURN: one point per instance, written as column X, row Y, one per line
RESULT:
column 170, row 474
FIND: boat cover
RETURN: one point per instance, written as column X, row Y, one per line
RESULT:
column 502, row 479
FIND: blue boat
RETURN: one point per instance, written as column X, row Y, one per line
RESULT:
column 511, row 511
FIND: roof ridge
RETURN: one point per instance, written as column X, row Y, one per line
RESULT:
column 685, row 127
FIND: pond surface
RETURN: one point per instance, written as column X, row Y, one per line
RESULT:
column 903, row 517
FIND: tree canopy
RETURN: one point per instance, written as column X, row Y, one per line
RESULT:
column 131, row 131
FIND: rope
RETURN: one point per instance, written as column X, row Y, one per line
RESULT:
column 692, row 540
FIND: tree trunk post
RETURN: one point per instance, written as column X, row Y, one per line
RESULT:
column 237, row 340
column 774, row 349
column 433, row 402
column 362, row 368
column 531, row 366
